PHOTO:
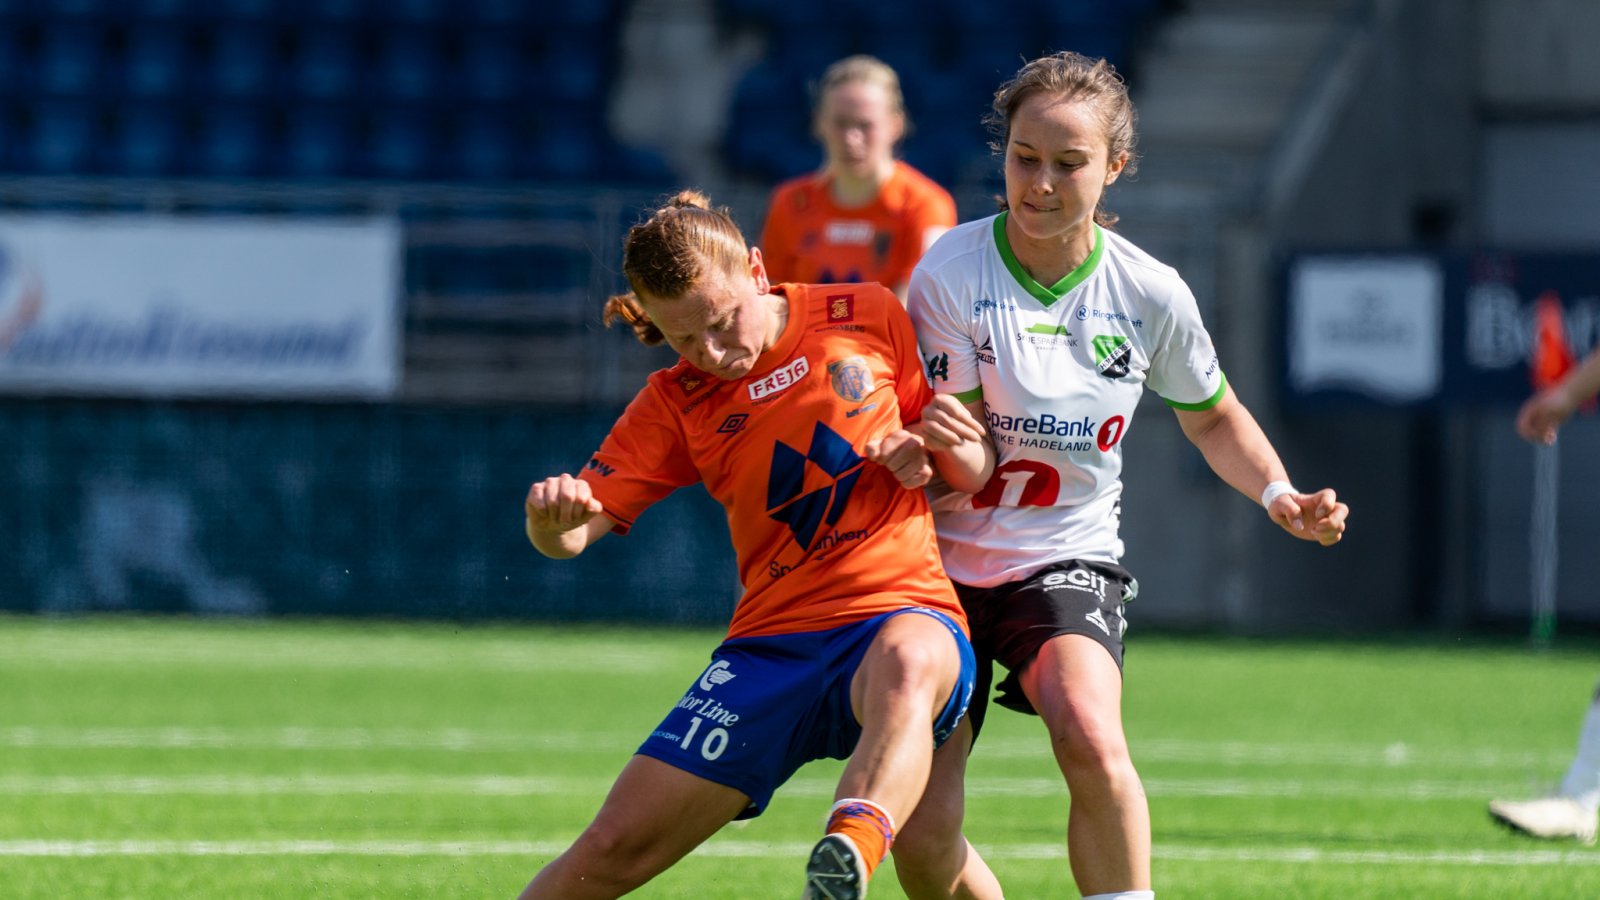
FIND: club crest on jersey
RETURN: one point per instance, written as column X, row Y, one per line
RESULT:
column 841, row 308
column 1111, row 355
column 851, row 378
column 689, row 382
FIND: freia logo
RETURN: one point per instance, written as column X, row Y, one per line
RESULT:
column 805, row 512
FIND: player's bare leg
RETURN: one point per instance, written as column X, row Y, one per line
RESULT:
column 1077, row 689
column 898, row 690
column 932, row 857
column 654, row 815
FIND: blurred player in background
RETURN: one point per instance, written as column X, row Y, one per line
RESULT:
column 1047, row 326
column 1573, row 811
column 865, row 216
column 792, row 404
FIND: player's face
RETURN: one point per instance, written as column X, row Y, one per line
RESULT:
column 1057, row 165
column 859, row 128
column 723, row 324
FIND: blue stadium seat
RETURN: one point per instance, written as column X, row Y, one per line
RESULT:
column 70, row 59
column 243, row 60
column 328, row 63
column 145, row 10
column 420, row 12
column 232, row 142
column 493, row 12
column 157, row 59
column 492, row 66
column 63, row 138
column 572, row 150
column 242, row 10
column 572, row 68
column 401, row 143
column 639, row 166
column 408, row 66
column 481, row 145
column 146, row 140
column 318, row 141
column 303, row 12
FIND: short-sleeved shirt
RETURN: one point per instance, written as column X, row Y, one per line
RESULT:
column 810, row 238
column 823, row 537
column 1060, row 369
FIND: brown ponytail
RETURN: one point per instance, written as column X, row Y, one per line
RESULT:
column 667, row 254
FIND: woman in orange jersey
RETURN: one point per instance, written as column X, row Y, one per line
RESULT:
column 865, row 216
column 798, row 407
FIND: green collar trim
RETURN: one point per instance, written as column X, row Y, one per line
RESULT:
column 1046, row 295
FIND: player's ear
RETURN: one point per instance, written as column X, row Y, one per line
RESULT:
column 758, row 271
column 1115, row 167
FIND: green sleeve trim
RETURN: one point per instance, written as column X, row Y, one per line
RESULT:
column 1213, row 400
column 969, row 396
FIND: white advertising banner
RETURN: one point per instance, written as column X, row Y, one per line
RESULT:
column 158, row 306
column 1368, row 325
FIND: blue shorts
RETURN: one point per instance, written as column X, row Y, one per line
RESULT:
column 768, row 705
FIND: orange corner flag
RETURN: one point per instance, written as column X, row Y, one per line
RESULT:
column 1552, row 355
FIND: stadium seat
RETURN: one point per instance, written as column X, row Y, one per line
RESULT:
column 419, row 12
column 70, row 58
column 318, row 141
column 400, row 144
column 328, row 63
column 231, row 142
column 146, row 140
column 492, row 67
column 408, row 66
column 63, row 138
column 242, row 60
column 481, row 145
column 241, row 10
column 569, row 69
column 157, row 59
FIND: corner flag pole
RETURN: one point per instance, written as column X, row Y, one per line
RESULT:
column 1543, row 549
column 1552, row 359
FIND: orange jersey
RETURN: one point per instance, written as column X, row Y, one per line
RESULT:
column 810, row 238
column 823, row 537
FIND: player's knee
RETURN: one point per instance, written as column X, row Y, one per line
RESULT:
column 1091, row 746
column 922, row 655
column 613, row 858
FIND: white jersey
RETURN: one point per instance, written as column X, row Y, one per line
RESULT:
column 1060, row 370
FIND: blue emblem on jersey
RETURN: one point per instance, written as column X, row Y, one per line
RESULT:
column 851, row 378
column 804, row 511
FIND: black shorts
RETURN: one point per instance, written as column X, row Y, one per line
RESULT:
column 1012, row 621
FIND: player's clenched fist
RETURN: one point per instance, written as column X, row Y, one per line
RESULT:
column 902, row 453
column 948, row 424
column 560, row 503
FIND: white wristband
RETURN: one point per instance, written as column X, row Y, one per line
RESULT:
column 1274, row 490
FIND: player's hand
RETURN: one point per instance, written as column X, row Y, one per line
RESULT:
column 1543, row 414
column 1316, row 517
column 904, row 454
column 947, row 424
column 560, row 503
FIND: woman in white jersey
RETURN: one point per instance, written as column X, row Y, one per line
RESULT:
column 1048, row 327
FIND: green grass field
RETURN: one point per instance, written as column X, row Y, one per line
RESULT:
column 170, row 758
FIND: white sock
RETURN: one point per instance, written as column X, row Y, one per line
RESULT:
column 1583, row 776
column 1124, row 895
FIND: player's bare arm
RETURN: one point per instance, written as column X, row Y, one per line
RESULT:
column 563, row 516
column 955, row 434
column 1238, row 451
